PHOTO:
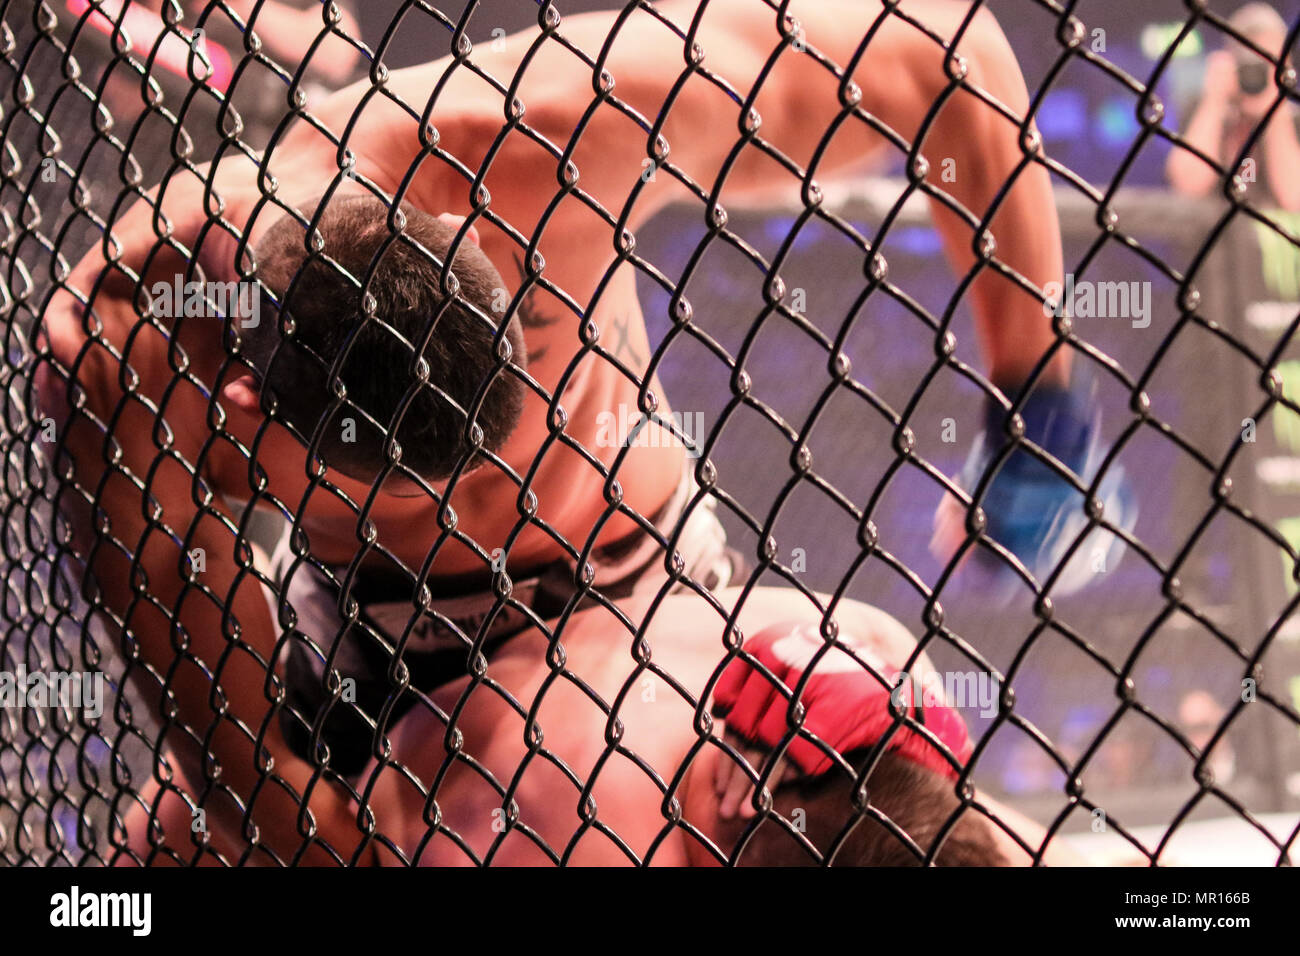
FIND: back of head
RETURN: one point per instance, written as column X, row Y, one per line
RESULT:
column 405, row 317
column 1259, row 23
column 917, row 800
column 1257, row 18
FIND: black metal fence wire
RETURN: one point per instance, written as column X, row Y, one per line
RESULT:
column 65, row 776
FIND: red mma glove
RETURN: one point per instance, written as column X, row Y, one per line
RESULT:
column 844, row 704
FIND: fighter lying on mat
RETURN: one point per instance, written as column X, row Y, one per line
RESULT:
column 659, row 750
column 189, row 424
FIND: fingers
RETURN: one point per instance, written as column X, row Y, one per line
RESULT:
column 725, row 767
column 732, row 783
column 733, row 802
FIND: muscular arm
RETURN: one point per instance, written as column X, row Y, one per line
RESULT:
column 1186, row 172
column 901, row 76
column 1282, row 152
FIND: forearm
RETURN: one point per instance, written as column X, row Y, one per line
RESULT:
column 207, row 643
column 973, row 152
column 1282, row 159
column 986, row 156
column 191, row 621
column 1188, row 174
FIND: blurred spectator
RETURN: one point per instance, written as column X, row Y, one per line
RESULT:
column 1237, row 92
column 1200, row 716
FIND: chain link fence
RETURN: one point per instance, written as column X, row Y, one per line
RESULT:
column 825, row 385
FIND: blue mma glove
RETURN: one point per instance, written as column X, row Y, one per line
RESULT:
column 1033, row 511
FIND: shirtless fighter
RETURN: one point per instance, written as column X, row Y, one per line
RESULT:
column 440, row 481
column 660, row 759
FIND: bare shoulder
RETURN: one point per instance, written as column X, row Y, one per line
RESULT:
column 687, row 634
column 762, row 608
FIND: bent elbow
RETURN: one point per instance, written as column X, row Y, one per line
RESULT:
column 991, row 65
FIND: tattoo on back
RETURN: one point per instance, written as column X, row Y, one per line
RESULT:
column 531, row 317
column 624, row 348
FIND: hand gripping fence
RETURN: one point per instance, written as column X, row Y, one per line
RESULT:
column 1163, row 694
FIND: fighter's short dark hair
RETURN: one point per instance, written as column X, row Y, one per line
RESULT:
column 458, row 337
